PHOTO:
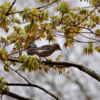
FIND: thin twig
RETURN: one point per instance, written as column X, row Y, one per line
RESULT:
column 62, row 36
column 70, row 32
column 16, row 52
column 19, row 69
column 89, row 38
column 18, row 12
column 20, row 75
column 29, row 9
column 23, row 49
column 9, row 43
column 16, row 96
column 49, row 5
column 17, row 73
column 88, row 7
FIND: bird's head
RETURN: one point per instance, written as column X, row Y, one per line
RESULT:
column 57, row 47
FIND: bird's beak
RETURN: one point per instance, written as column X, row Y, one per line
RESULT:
column 60, row 49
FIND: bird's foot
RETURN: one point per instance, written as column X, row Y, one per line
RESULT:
column 47, row 59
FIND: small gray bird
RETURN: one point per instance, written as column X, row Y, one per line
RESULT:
column 44, row 51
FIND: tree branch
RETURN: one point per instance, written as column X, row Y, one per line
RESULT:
column 29, row 9
column 17, row 52
column 33, row 85
column 88, row 15
column 10, row 8
column 20, row 75
column 15, row 96
column 65, row 65
column 62, row 36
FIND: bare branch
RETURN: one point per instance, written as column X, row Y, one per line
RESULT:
column 46, row 5
column 20, row 75
column 16, row 52
column 65, row 65
column 62, row 36
column 89, row 38
column 15, row 96
column 89, row 7
column 33, row 85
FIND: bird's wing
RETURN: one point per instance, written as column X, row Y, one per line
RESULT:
column 45, row 47
column 31, row 49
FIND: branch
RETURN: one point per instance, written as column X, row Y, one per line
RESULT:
column 80, row 33
column 76, row 65
column 20, row 75
column 29, row 9
column 65, row 65
column 29, row 84
column 89, row 37
column 9, row 43
column 88, row 7
column 62, row 36
column 10, row 8
column 46, row 5
column 33, row 85
column 15, row 96
column 84, row 91
column 17, row 52
column 88, row 15
column 22, row 49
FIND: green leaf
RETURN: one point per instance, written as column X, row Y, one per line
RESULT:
column 50, row 37
column 88, row 50
column 63, row 7
column 97, row 49
column 83, row 12
column 6, row 89
column 60, row 72
column 6, row 68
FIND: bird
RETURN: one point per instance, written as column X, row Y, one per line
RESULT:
column 43, row 51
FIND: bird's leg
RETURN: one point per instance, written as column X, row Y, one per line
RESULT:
column 39, row 58
column 46, row 59
column 35, row 56
column 20, row 53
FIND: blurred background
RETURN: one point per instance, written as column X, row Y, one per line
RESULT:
column 77, row 85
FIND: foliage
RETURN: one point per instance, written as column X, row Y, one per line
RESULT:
column 3, row 85
column 67, row 23
column 29, row 63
